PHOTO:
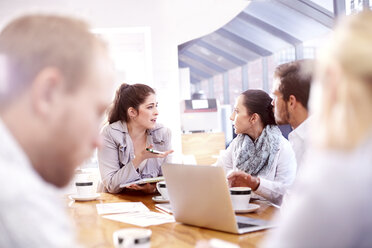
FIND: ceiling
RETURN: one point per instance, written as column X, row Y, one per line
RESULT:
column 261, row 29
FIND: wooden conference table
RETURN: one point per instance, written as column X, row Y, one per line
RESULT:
column 95, row 231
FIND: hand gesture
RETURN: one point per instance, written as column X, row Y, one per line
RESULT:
column 146, row 188
column 242, row 179
column 148, row 154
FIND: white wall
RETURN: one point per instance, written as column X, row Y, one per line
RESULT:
column 171, row 22
column 184, row 82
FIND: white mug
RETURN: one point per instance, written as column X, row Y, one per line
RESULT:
column 132, row 238
column 162, row 188
column 85, row 188
column 240, row 197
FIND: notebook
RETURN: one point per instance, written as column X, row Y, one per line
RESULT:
column 143, row 181
column 199, row 196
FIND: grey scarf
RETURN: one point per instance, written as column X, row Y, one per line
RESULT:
column 256, row 157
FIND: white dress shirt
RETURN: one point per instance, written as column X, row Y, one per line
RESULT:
column 32, row 212
column 331, row 202
column 274, row 185
column 299, row 139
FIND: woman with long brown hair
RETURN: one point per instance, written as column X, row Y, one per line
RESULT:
column 132, row 128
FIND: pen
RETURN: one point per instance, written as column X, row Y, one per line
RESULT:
column 154, row 151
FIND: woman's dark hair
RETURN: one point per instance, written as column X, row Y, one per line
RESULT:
column 258, row 101
column 128, row 96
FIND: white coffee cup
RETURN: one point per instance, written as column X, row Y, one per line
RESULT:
column 240, row 197
column 162, row 188
column 132, row 238
column 85, row 188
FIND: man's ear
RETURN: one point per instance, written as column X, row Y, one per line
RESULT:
column 292, row 102
column 46, row 90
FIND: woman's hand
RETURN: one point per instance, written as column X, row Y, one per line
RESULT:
column 242, row 179
column 146, row 188
column 143, row 155
column 147, row 154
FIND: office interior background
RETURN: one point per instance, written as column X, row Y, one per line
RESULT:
column 209, row 49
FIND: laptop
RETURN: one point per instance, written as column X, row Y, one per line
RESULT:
column 199, row 196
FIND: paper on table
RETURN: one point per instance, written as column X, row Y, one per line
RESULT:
column 142, row 219
column 121, row 207
column 164, row 207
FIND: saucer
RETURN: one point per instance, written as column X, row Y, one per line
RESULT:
column 84, row 197
column 251, row 208
column 159, row 199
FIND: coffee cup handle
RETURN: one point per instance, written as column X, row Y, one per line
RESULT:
column 128, row 242
column 157, row 187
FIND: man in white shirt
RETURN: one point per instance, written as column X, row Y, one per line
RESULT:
column 291, row 95
column 331, row 202
column 55, row 83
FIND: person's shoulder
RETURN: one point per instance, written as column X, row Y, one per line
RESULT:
column 114, row 133
column 117, row 125
column 160, row 133
column 158, row 126
column 283, row 141
column 11, row 175
column 114, row 128
column 233, row 142
column 160, row 129
column 284, row 144
column 22, row 183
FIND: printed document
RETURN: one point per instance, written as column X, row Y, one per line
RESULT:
column 142, row 219
column 121, row 207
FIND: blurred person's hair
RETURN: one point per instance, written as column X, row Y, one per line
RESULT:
column 295, row 79
column 128, row 96
column 258, row 101
column 34, row 42
column 343, row 103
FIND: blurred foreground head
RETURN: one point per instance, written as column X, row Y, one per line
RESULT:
column 55, row 83
column 342, row 95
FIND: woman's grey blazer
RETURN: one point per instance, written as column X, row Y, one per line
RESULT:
column 116, row 154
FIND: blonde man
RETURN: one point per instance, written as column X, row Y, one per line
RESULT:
column 55, row 84
column 331, row 203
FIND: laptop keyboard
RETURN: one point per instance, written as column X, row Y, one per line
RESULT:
column 244, row 225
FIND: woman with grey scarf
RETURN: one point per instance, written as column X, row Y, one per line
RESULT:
column 259, row 157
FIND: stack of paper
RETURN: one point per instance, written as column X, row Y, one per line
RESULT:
column 121, row 207
column 142, row 218
column 135, row 213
